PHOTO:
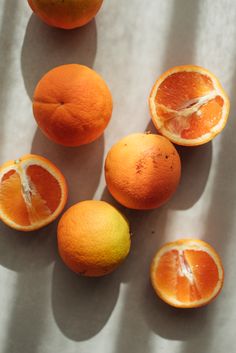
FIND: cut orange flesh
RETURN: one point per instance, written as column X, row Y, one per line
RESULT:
column 187, row 273
column 33, row 192
column 188, row 105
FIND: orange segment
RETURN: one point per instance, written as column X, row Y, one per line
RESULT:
column 166, row 275
column 187, row 273
column 204, row 270
column 49, row 190
column 12, row 202
column 180, row 89
column 36, row 206
column 188, row 105
column 33, row 193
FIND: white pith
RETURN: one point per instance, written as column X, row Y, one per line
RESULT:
column 185, row 269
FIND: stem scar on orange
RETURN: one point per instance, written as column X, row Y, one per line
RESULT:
column 188, row 105
column 142, row 171
column 72, row 105
column 187, row 273
column 33, row 192
column 67, row 14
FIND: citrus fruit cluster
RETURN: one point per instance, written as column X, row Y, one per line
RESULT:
column 72, row 106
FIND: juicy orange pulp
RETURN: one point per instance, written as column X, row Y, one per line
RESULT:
column 187, row 276
column 188, row 105
column 183, row 268
column 31, row 195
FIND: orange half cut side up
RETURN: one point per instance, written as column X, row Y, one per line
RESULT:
column 33, row 192
column 187, row 273
column 188, row 105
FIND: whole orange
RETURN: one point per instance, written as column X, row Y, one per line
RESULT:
column 93, row 238
column 66, row 14
column 142, row 171
column 72, row 105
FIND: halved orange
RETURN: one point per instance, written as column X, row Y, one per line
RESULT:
column 188, row 105
column 33, row 192
column 187, row 273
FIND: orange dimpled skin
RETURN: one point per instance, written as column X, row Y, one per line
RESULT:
column 72, row 105
column 93, row 238
column 33, row 192
column 142, row 171
column 187, row 273
column 67, row 14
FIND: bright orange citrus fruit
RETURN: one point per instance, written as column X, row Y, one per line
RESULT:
column 188, row 105
column 93, row 238
column 187, row 273
column 33, row 192
column 142, row 171
column 72, row 105
column 66, row 14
